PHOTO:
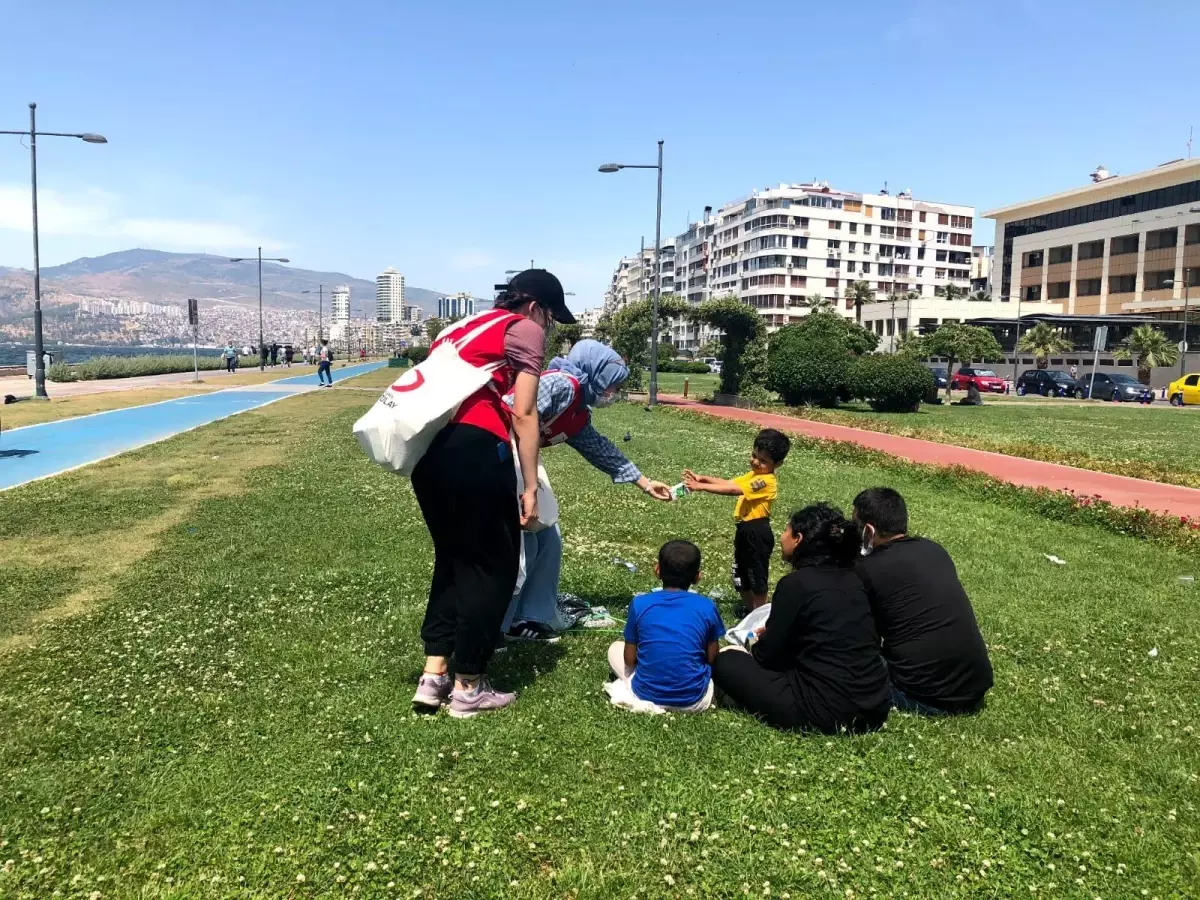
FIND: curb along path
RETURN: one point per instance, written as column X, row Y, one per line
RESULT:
column 1168, row 499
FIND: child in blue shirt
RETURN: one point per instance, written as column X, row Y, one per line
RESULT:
column 670, row 640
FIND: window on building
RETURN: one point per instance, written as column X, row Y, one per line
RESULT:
column 887, row 231
column 1033, row 293
column 799, row 281
column 853, row 227
column 1162, row 239
column 799, row 262
column 939, row 273
column 1058, row 290
column 1087, row 287
column 887, row 214
column 902, row 326
column 867, row 229
column 799, row 221
column 1033, row 259
column 835, row 224
column 943, row 237
column 1191, row 234
column 850, row 265
column 1091, row 250
column 1193, row 279
column 943, row 219
column 961, row 222
column 922, row 217
column 834, row 245
column 1060, row 254
column 904, row 215
column 1121, row 246
column 920, row 271
column 1160, row 280
column 920, row 253
column 940, row 256
column 1122, row 284
column 904, row 234
column 852, row 247
column 831, row 282
column 866, row 268
column 799, row 243
column 866, row 248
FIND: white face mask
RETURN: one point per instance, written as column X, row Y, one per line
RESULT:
column 868, row 540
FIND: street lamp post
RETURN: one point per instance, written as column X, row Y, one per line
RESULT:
column 38, row 349
column 262, row 363
column 1187, row 281
column 320, row 292
column 616, row 167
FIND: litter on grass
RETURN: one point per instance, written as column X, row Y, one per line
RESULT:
column 1186, row 579
column 574, row 611
column 1153, row 652
column 617, row 561
column 744, row 633
column 1054, row 559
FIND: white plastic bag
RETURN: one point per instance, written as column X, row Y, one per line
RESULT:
column 547, row 502
column 743, row 633
column 397, row 430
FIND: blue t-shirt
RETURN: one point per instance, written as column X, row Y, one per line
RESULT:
column 672, row 630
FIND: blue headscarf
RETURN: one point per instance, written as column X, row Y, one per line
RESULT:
column 597, row 367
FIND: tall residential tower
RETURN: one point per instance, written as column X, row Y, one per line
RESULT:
column 389, row 296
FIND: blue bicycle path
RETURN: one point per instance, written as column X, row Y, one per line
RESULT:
column 39, row 451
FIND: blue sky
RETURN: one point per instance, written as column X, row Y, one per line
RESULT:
column 456, row 140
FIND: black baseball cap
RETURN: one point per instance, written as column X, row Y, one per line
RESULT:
column 546, row 290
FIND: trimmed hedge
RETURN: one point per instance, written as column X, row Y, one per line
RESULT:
column 417, row 355
column 683, row 366
column 890, row 383
column 101, row 367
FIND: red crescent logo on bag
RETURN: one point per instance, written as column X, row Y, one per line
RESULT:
column 416, row 383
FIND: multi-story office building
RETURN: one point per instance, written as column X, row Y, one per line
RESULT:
column 339, row 304
column 389, row 296
column 780, row 248
column 1124, row 244
column 456, row 305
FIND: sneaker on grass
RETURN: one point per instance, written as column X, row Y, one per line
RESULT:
column 479, row 699
column 433, row 692
column 532, row 631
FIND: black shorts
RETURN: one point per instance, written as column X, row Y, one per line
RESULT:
column 753, row 545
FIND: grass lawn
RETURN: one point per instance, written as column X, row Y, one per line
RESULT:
column 1157, row 443
column 208, row 649
column 698, row 385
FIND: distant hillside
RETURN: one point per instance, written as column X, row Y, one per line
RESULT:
column 159, row 277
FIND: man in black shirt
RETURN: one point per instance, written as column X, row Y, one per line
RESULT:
column 936, row 657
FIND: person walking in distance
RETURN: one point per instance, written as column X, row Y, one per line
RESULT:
column 230, row 357
column 324, row 363
column 466, row 486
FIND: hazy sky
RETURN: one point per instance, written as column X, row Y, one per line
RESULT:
column 456, row 140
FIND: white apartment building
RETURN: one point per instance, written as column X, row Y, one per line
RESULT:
column 982, row 260
column 389, row 296
column 633, row 278
column 589, row 319
column 412, row 314
column 455, row 305
column 339, row 304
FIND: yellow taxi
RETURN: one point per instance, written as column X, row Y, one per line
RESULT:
column 1184, row 391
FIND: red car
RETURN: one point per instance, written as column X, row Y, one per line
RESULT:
column 985, row 380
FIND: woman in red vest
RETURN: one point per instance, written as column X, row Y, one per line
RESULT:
column 589, row 376
column 466, row 485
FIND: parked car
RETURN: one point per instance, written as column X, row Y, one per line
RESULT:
column 1048, row 383
column 984, row 379
column 939, row 377
column 1184, row 391
column 1117, row 387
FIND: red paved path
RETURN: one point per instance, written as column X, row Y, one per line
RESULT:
column 1165, row 498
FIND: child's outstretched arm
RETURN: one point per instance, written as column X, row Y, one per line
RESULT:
column 709, row 484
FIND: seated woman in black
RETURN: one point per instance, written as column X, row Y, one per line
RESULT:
column 816, row 664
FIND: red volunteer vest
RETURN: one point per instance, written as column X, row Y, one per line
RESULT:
column 571, row 420
column 484, row 409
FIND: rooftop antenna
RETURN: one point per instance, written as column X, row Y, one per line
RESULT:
column 1190, row 129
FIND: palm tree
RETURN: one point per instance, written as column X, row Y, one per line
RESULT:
column 816, row 302
column 860, row 292
column 980, row 297
column 1044, row 341
column 1152, row 349
column 950, row 292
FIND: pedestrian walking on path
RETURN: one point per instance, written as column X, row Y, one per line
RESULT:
column 230, row 358
column 324, row 362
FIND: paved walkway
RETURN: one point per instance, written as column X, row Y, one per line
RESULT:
column 1163, row 498
column 40, row 451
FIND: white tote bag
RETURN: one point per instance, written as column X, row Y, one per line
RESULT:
column 397, row 430
column 547, row 502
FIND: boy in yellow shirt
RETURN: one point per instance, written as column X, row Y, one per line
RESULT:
column 753, row 540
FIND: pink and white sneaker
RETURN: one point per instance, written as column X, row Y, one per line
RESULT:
column 433, row 692
column 482, row 698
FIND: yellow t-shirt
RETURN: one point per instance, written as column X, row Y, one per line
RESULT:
column 758, row 493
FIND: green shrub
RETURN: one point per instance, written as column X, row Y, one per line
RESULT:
column 683, row 366
column 808, row 364
column 101, row 367
column 890, row 383
column 417, row 355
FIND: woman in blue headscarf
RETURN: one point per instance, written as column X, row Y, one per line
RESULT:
column 589, row 377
